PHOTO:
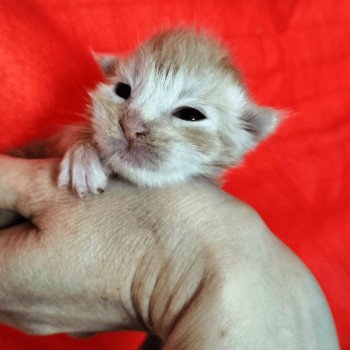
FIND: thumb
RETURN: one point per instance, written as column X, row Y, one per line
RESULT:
column 24, row 183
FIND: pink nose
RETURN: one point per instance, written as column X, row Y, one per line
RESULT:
column 133, row 128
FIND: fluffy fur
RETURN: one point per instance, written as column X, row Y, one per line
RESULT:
column 173, row 69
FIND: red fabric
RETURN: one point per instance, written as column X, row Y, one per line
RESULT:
column 295, row 55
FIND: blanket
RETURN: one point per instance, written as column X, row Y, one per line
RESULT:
column 295, row 56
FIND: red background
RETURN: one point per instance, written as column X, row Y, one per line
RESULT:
column 295, row 55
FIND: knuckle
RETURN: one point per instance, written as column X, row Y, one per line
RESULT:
column 38, row 329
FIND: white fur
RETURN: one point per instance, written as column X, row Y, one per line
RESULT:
column 82, row 170
column 182, row 69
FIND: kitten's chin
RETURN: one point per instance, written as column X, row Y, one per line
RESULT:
column 143, row 166
column 149, row 178
column 120, row 152
column 137, row 158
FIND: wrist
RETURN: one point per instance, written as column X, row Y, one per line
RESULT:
column 183, row 302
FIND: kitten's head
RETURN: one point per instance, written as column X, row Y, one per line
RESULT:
column 175, row 109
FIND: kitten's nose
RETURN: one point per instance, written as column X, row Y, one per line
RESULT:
column 133, row 128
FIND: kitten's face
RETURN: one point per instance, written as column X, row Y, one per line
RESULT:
column 173, row 110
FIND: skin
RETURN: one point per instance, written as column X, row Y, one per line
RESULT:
column 188, row 262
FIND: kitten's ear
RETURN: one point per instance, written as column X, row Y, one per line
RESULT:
column 260, row 122
column 107, row 63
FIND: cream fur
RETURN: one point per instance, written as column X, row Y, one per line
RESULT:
column 176, row 68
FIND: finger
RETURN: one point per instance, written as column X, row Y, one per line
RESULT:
column 24, row 183
column 16, row 245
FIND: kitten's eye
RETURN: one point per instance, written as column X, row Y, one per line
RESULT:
column 190, row 114
column 123, row 90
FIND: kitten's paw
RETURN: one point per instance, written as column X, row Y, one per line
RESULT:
column 81, row 170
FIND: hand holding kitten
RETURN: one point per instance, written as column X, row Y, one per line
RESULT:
column 202, row 279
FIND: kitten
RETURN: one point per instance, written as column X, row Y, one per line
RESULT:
column 175, row 109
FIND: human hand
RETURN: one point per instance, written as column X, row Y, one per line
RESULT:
column 188, row 263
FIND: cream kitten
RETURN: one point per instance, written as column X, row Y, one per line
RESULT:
column 174, row 109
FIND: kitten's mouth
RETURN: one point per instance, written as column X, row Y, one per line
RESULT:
column 138, row 153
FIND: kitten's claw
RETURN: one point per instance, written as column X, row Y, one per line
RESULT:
column 82, row 171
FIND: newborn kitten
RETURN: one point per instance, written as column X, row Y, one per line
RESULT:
column 174, row 109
